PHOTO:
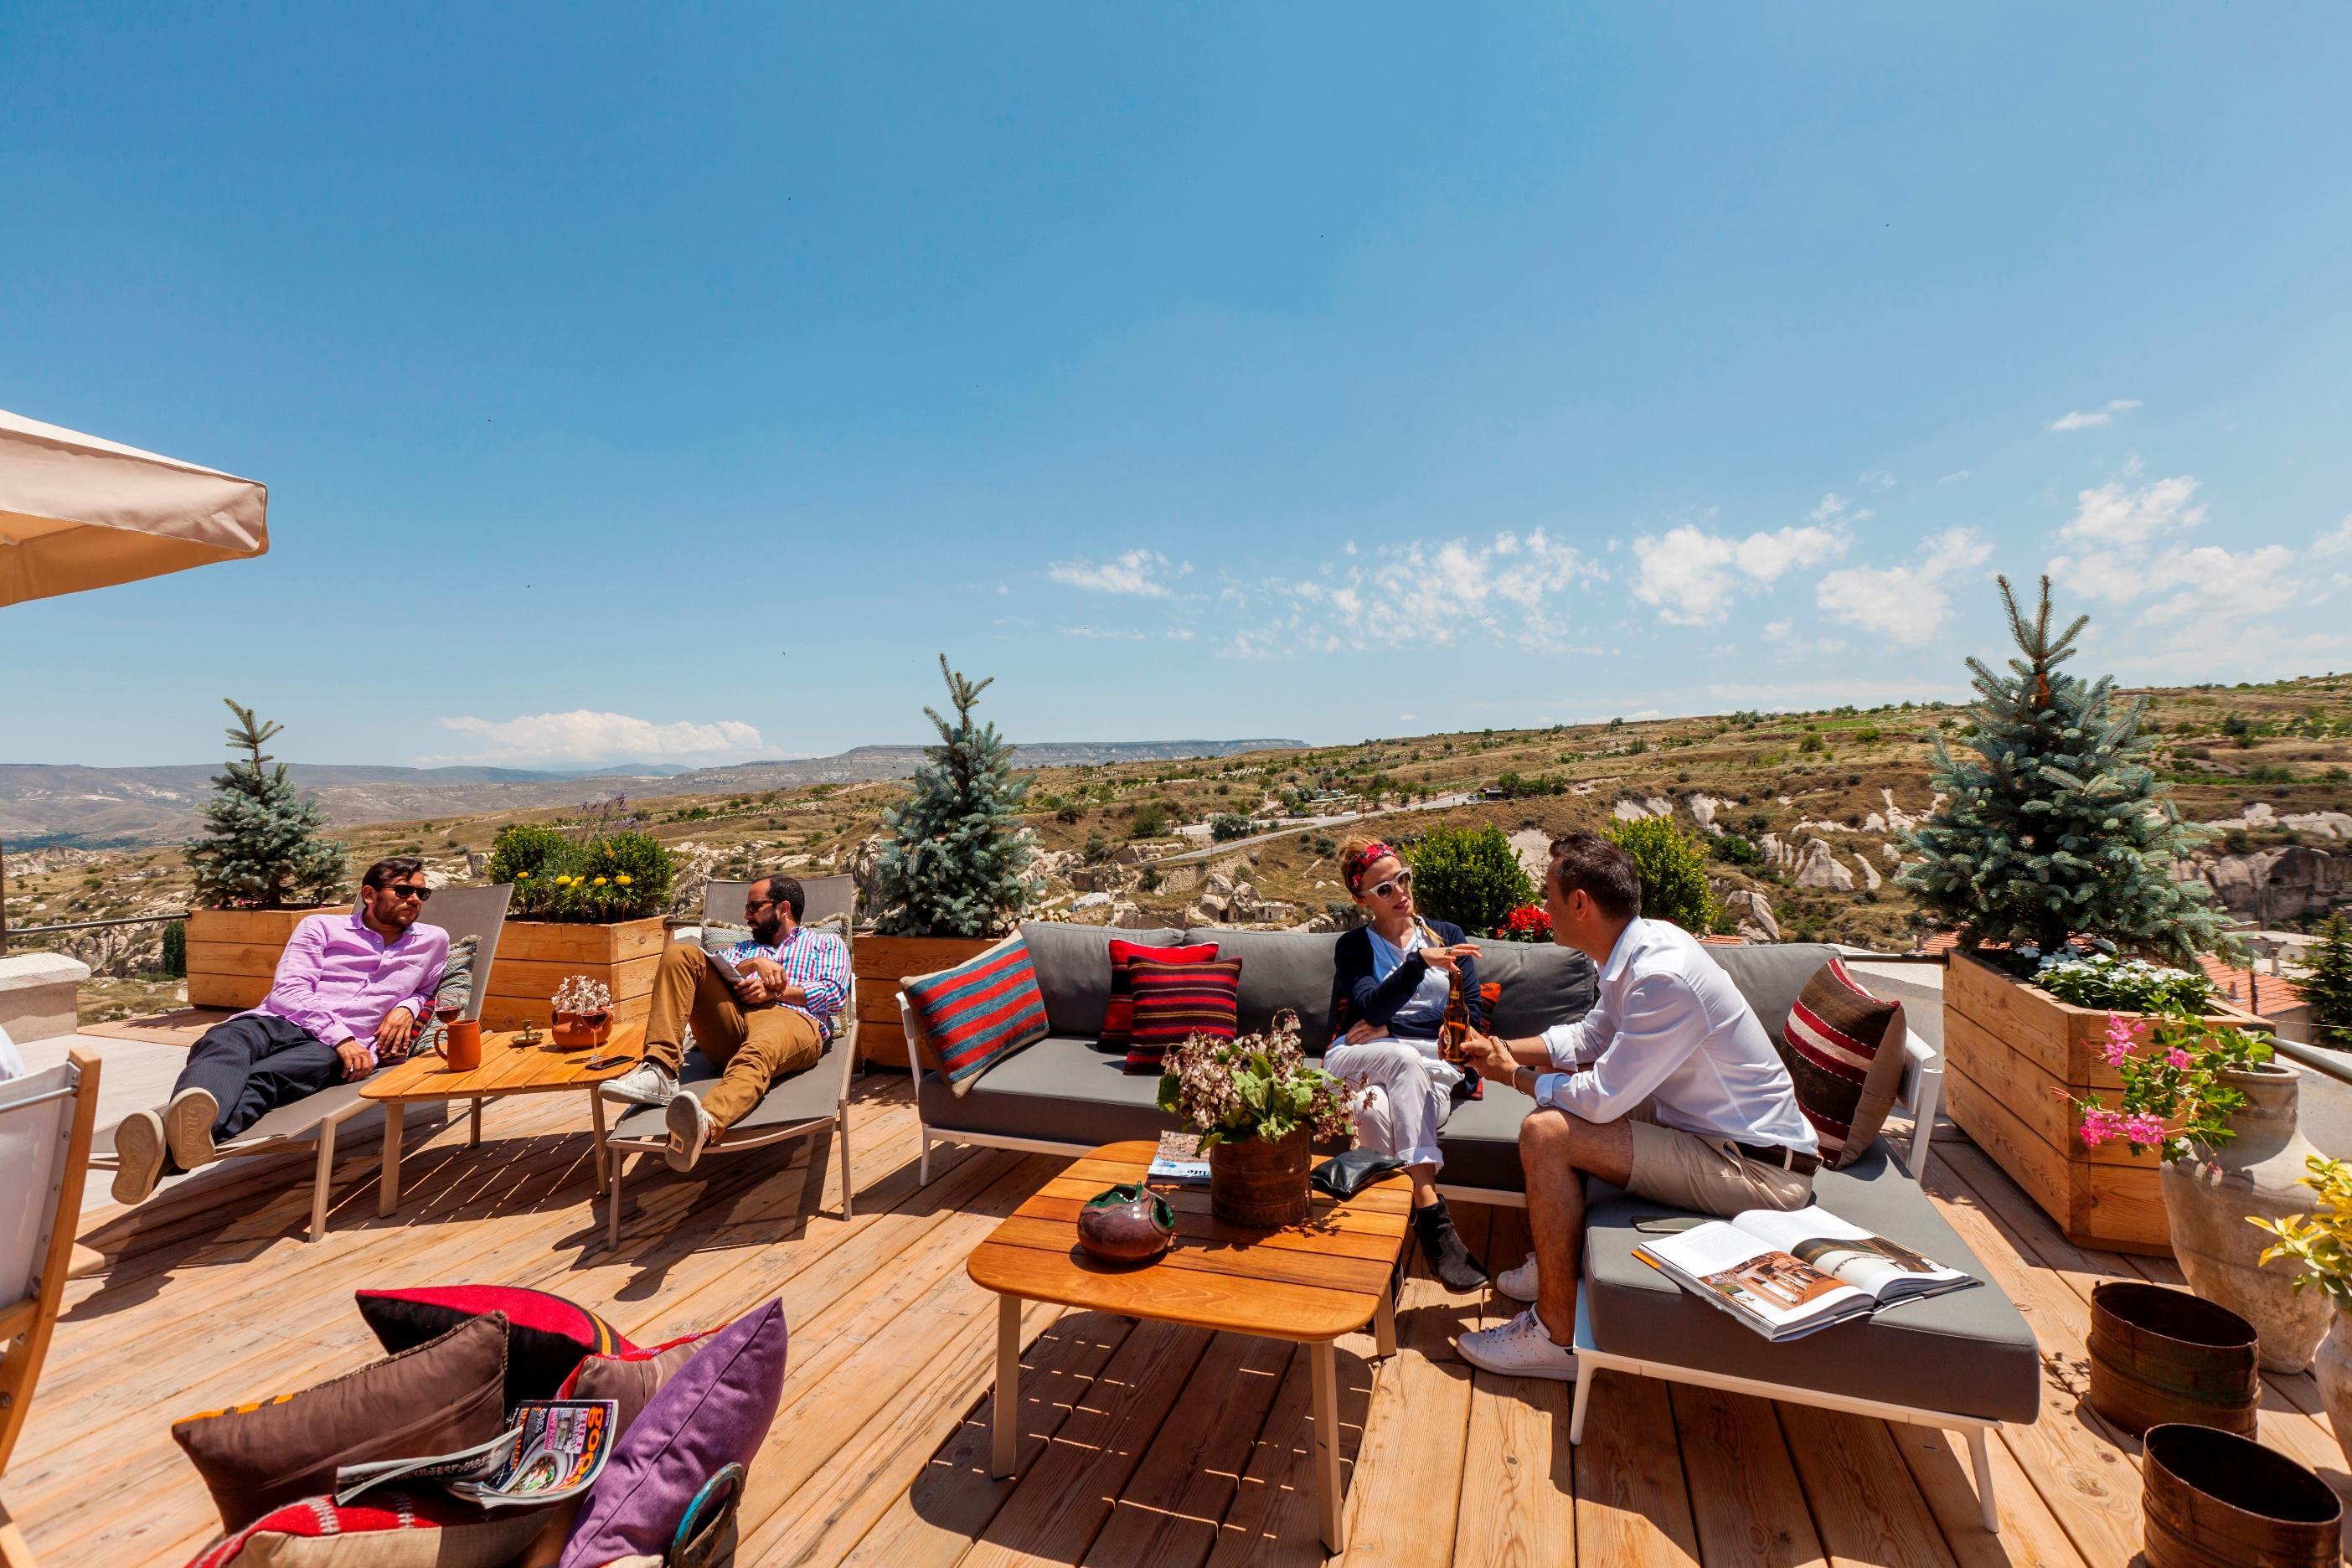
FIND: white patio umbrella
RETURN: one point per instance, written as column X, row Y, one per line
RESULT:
column 76, row 511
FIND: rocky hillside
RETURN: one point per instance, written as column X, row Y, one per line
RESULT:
column 1802, row 814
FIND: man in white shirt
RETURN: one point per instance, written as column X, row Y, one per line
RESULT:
column 1669, row 1088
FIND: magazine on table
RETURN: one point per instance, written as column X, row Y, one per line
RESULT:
column 1179, row 1160
column 553, row 1450
column 1786, row 1274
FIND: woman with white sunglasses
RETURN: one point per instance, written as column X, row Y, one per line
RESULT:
column 1393, row 978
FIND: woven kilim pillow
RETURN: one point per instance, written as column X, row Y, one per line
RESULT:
column 1118, row 1010
column 1176, row 1000
column 979, row 1012
column 1844, row 1048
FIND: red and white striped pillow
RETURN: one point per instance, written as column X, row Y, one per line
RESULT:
column 1175, row 1000
column 1844, row 1048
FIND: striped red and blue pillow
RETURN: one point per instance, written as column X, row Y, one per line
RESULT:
column 979, row 1012
column 1118, row 1009
column 1174, row 1001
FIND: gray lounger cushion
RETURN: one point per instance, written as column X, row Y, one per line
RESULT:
column 1969, row 1353
column 806, row 1096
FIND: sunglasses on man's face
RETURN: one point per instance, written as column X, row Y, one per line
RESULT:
column 1388, row 887
column 409, row 890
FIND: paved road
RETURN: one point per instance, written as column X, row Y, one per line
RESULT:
column 1308, row 825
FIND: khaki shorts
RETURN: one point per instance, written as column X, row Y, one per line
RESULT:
column 1670, row 1166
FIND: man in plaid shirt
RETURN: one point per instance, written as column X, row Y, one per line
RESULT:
column 772, row 1021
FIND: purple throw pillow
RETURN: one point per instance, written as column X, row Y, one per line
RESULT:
column 715, row 1412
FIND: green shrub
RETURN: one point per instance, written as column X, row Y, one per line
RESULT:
column 1150, row 821
column 1228, row 824
column 176, row 949
column 622, row 876
column 1673, row 872
column 1469, row 876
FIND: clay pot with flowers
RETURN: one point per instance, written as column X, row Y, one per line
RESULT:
column 584, row 1013
column 2221, row 1114
column 2318, row 1244
column 1258, row 1107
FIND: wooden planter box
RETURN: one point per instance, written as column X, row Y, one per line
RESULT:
column 880, row 962
column 534, row 957
column 232, row 954
column 2013, row 1056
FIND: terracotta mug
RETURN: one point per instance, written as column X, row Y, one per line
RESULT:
column 461, row 1044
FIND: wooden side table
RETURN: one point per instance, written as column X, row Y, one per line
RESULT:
column 506, row 1068
column 1309, row 1283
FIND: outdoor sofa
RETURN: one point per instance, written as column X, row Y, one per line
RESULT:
column 1963, row 1362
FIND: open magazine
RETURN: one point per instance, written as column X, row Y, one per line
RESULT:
column 553, row 1450
column 1786, row 1274
column 1179, row 1160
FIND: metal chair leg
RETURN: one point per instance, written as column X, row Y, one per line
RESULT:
column 613, row 1218
column 319, row 1182
column 848, row 1181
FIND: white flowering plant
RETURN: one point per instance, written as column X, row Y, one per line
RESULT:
column 2125, row 984
column 583, row 996
column 1253, row 1085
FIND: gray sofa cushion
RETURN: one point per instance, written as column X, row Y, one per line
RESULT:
column 1280, row 969
column 1542, row 986
column 1060, row 1090
column 1480, row 1141
column 1771, row 974
column 1074, row 968
column 1969, row 1353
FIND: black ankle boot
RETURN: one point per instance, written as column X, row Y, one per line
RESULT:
column 1449, row 1259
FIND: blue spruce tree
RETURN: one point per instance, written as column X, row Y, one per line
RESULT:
column 2055, row 828
column 958, row 857
column 263, row 848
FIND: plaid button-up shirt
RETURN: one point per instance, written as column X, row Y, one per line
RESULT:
column 815, row 960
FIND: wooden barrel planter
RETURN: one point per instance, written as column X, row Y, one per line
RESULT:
column 2159, row 1355
column 2214, row 1500
column 1260, row 1185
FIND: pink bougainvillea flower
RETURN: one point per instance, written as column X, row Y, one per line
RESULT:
column 2101, row 1125
column 2145, row 1129
column 2120, row 1040
column 2176, row 1057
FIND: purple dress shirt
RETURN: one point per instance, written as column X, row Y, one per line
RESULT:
column 337, row 980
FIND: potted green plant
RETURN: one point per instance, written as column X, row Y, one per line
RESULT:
column 1258, row 1107
column 954, row 875
column 588, row 903
column 2052, row 836
column 262, row 864
column 2220, row 1113
column 2319, row 1244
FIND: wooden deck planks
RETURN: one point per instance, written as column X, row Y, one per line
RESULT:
column 1141, row 1444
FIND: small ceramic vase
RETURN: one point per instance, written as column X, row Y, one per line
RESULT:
column 1127, row 1223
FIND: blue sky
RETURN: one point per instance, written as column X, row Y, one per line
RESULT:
column 639, row 384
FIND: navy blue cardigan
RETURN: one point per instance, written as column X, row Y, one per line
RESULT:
column 1356, row 994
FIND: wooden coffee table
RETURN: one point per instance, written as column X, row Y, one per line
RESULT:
column 507, row 1069
column 1309, row 1283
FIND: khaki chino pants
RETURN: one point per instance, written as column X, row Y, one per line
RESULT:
column 752, row 1048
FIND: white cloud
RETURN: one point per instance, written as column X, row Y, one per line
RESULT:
column 2337, row 541
column 1428, row 591
column 2116, row 516
column 1103, row 634
column 1877, row 478
column 1144, row 573
column 1783, row 634
column 585, row 736
column 1955, row 477
column 1902, row 604
column 1691, row 575
column 2220, row 585
column 2078, row 420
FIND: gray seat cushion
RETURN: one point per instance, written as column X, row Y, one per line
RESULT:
column 1281, row 969
column 1059, row 1091
column 1480, row 1141
column 1073, row 965
column 1771, row 974
column 808, row 1095
column 1969, row 1353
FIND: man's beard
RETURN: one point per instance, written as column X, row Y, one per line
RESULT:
column 766, row 929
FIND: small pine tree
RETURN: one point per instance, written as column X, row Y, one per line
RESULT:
column 1673, row 872
column 262, row 848
column 2056, row 828
column 956, row 862
column 2326, row 983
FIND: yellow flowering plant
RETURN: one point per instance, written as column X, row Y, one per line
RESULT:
column 616, row 874
column 2322, row 1240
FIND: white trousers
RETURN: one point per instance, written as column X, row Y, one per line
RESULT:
column 1403, row 1105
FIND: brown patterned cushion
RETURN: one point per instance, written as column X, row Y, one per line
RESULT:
column 444, row 1395
column 631, row 1378
column 1844, row 1048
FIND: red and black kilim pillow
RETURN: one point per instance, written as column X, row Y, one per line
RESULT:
column 546, row 1335
column 1118, row 1011
column 1844, row 1048
column 1174, row 1001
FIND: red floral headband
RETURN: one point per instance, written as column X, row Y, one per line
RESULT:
column 1362, row 860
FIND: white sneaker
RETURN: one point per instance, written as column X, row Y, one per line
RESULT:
column 689, row 1131
column 1518, row 1284
column 139, row 1146
column 188, row 1128
column 648, row 1083
column 1520, row 1348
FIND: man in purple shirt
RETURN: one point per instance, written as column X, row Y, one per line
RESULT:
column 351, row 988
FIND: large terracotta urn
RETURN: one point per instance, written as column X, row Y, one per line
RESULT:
column 2208, row 1197
column 2331, row 1366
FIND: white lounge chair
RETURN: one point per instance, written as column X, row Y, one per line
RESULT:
column 47, row 1121
column 809, row 1102
column 314, row 1120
